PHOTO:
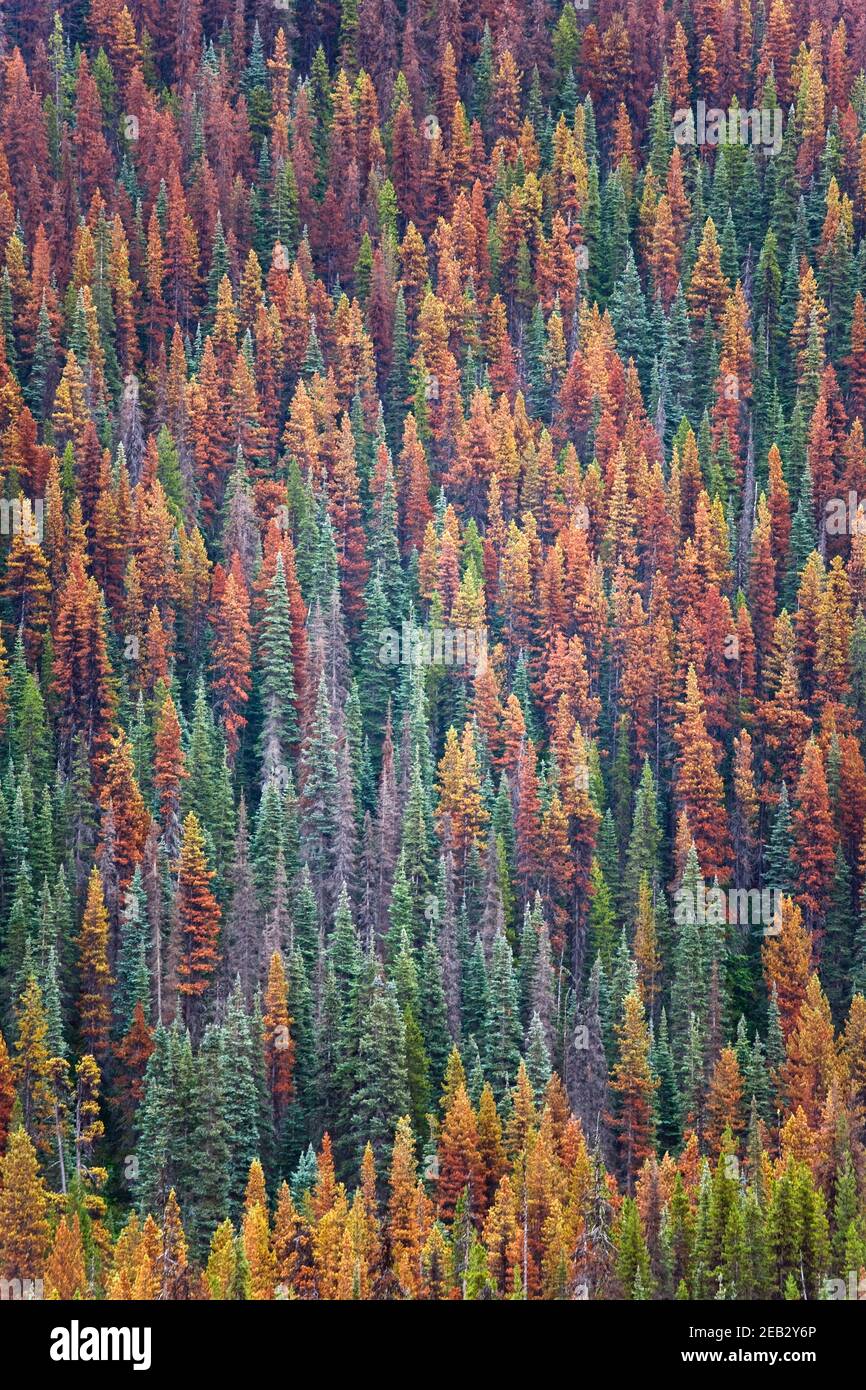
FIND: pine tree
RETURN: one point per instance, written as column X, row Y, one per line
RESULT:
column 241, row 1104
column 634, row 1085
column 629, row 316
column 198, row 915
column 65, row 1274
column 24, row 1229
column 279, row 1046
column 838, row 938
column 95, row 981
column 778, row 862
column 210, row 1137
column 277, row 688
column 501, row 1030
column 633, row 1263
column 460, row 1167
column 668, row 1129
column 813, row 836
column 318, row 785
column 699, row 784
column 382, row 1083
column 433, row 1010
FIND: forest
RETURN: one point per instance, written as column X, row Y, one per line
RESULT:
column 432, row 650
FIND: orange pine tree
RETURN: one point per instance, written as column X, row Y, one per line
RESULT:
column 699, row 784
column 787, row 955
column 460, row 1165
column 24, row 1229
column 814, row 836
column 278, row 1042
column 232, row 659
column 198, row 918
column 94, row 975
column 724, row 1100
column 634, row 1086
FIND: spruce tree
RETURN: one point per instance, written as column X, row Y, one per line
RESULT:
column 501, row 1030
column 277, row 682
column 778, row 864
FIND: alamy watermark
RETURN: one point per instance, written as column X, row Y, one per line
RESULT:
column 77, row 1343
column 21, row 1290
column 854, row 1287
column 461, row 647
column 845, row 516
column 743, row 907
column 22, row 516
column 712, row 126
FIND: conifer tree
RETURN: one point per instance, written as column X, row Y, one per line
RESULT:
column 198, row 915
